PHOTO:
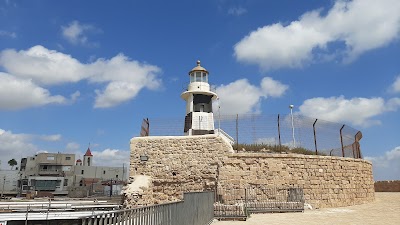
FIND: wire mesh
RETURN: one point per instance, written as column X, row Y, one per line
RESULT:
column 285, row 131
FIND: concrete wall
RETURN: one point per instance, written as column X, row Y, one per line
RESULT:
column 195, row 163
column 10, row 180
column 387, row 186
column 100, row 172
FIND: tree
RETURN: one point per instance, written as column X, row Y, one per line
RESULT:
column 12, row 163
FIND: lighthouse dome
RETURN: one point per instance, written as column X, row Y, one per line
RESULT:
column 198, row 68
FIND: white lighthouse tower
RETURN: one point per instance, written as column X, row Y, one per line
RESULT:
column 199, row 117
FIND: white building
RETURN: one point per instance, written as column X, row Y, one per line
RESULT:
column 86, row 173
column 58, row 172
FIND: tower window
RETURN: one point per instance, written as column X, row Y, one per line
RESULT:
column 205, row 77
column 88, row 161
column 198, row 76
column 82, row 171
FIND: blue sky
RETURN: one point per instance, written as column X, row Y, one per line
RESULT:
column 74, row 72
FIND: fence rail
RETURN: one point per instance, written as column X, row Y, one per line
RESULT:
column 315, row 136
column 240, row 202
column 196, row 209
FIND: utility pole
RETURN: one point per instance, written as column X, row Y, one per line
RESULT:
column 111, row 187
column 4, row 182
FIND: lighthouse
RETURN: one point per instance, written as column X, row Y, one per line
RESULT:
column 199, row 117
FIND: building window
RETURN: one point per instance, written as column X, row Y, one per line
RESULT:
column 33, row 158
column 65, row 182
column 104, row 172
column 82, row 171
column 116, row 176
column 50, row 157
column 88, row 161
column 67, row 158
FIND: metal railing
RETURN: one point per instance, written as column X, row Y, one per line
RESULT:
column 310, row 135
column 240, row 203
column 195, row 209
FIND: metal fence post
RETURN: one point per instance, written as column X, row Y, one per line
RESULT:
column 279, row 133
column 237, row 132
column 315, row 137
column 341, row 140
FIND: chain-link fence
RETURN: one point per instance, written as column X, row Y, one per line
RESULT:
column 278, row 133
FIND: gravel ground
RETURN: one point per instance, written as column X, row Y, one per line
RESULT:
column 384, row 210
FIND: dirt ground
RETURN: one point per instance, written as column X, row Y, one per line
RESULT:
column 384, row 210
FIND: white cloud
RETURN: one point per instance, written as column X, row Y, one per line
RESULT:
column 395, row 87
column 50, row 67
column 111, row 157
column 387, row 166
column 15, row 146
column 237, row 11
column 72, row 146
column 294, row 45
column 75, row 96
column 18, row 93
column 240, row 97
column 115, row 93
column 357, row 111
column 76, row 33
column 43, row 66
column 52, row 138
column 8, row 34
column 273, row 88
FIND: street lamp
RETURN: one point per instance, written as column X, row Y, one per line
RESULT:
column 291, row 114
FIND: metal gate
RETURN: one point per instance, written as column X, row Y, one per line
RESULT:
column 275, row 199
column 237, row 204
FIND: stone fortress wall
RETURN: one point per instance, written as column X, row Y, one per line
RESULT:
column 194, row 163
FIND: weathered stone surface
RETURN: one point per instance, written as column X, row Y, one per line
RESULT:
column 197, row 163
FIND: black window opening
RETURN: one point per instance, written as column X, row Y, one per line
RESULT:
column 202, row 103
column 82, row 171
column 188, row 122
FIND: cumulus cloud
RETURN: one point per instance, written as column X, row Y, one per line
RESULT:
column 43, row 66
column 387, row 166
column 240, row 97
column 76, row 33
column 357, row 111
column 111, row 157
column 237, row 11
column 18, row 93
column 395, row 87
column 49, row 67
column 300, row 42
column 15, row 146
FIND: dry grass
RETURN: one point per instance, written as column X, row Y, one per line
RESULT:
column 259, row 148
